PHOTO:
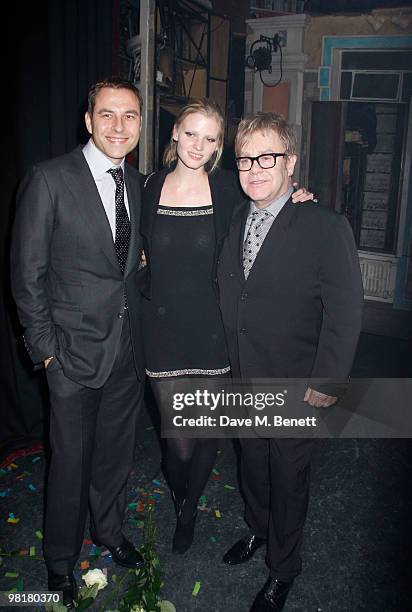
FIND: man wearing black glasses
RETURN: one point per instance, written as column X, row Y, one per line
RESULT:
column 291, row 297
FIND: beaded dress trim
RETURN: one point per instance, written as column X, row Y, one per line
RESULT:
column 188, row 372
column 189, row 212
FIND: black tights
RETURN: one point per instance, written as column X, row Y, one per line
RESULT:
column 188, row 462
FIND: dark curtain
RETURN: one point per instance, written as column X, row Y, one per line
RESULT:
column 58, row 49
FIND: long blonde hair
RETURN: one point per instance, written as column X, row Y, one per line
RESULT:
column 207, row 107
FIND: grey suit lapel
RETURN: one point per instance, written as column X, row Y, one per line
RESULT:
column 89, row 206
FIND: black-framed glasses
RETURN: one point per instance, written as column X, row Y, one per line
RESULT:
column 265, row 161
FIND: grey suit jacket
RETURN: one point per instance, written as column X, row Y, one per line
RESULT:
column 66, row 279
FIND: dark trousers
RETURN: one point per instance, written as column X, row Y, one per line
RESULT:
column 92, row 438
column 275, row 480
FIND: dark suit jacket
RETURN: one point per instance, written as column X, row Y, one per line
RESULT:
column 66, row 279
column 299, row 312
column 226, row 195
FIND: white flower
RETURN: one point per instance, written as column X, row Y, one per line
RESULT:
column 95, row 576
column 167, row 606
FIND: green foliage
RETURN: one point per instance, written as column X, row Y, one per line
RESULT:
column 86, row 597
column 50, row 607
column 84, row 603
column 144, row 590
column 144, row 584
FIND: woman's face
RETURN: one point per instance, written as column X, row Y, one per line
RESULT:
column 197, row 139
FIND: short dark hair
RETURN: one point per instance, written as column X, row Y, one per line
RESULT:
column 113, row 82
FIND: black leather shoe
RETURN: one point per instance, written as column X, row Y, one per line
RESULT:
column 243, row 550
column 126, row 555
column 183, row 535
column 66, row 584
column 272, row 597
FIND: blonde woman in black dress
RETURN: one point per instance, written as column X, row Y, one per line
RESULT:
column 186, row 215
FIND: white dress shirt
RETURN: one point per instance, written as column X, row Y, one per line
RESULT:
column 99, row 164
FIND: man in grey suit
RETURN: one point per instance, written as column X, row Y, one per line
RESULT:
column 75, row 269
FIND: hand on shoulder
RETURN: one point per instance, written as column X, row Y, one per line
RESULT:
column 302, row 195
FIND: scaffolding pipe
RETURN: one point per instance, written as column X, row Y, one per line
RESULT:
column 147, row 83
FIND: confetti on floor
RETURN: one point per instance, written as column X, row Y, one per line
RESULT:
column 196, row 588
column 133, row 521
column 13, row 519
column 22, row 475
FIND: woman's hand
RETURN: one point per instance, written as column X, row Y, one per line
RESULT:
column 302, row 195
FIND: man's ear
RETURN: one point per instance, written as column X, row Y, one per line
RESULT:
column 88, row 122
column 290, row 163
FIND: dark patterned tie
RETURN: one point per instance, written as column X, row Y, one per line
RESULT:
column 253, row 240
column 122, row 235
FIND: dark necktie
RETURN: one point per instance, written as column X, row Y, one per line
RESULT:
column 122, row 235
column 253, row 240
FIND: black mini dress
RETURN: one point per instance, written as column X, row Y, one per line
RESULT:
column 182, row 325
